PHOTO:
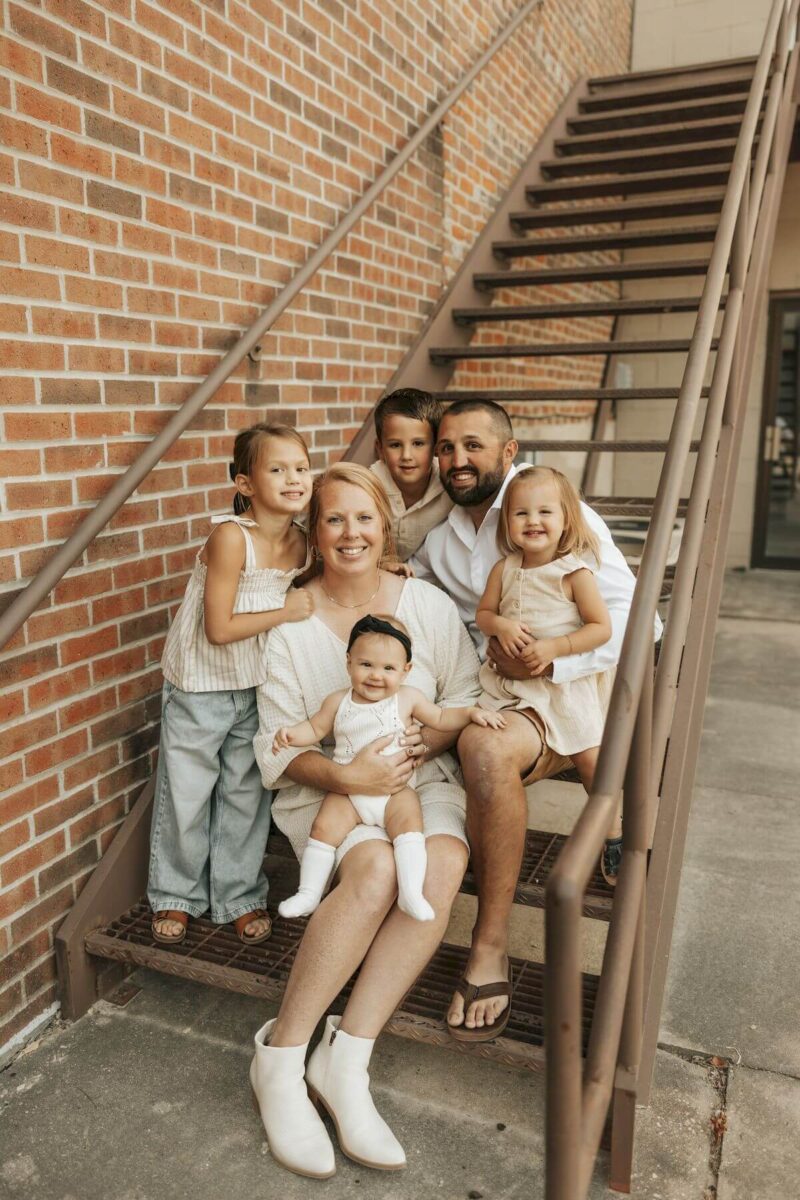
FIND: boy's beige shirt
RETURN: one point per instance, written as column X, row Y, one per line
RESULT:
column 412, row 525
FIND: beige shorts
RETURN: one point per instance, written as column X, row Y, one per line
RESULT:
column 549, row 762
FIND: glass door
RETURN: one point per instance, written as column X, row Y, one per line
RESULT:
column 776, row 532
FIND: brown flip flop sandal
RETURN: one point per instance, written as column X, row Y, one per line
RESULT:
column 485, row 991
column 241, row 923
column 169, row 914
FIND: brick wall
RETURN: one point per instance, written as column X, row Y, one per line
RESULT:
column 165, row 167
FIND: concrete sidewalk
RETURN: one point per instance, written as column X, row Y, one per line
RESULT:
column 148, row 1101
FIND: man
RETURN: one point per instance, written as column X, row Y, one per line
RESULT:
column 476, row 450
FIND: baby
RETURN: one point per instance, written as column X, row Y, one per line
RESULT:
column 406, row 425
column 377, row 704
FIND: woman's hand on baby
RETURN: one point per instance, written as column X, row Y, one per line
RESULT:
column 487, row 718
column 376, row 774
column 298, row 604
column 513, row 637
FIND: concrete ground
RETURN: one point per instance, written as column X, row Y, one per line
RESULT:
column 148, row 1101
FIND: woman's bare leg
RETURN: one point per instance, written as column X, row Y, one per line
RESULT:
column 403, row 946
column 336, row 940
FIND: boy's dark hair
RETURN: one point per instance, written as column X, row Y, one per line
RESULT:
column 409, row 402
column 501, row 422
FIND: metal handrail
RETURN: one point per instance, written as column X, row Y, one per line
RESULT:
column 577, row 1103
column 53, row 571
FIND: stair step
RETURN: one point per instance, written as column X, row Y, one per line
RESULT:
column 567, row 444
column 554, row 395
column 622, row 239
column 624, row 210
column 629, row 506
column 707, row 130
column 715, row 83
column 213, row 954
column 662, row 268
column 626, row 162
column 584, row 308
column 598, row 82
column 443, row 354
column 658, row 114
column 624, row 185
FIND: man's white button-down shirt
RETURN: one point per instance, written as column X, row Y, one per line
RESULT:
column 459, row 558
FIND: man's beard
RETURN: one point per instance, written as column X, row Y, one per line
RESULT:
column 485, row 485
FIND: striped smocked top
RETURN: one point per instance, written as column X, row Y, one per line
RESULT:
column 190, row 662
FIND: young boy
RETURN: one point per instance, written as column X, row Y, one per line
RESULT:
column 406, row 425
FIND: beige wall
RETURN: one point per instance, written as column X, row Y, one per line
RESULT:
column 673, row 33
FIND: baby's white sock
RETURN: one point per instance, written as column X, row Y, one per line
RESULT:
column 411, row 862
column 315, row 867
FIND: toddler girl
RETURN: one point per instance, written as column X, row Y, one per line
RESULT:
column 541, row 603
column 210, row 814
column 378, row 704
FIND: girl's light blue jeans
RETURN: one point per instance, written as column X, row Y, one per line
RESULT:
column 211, row 815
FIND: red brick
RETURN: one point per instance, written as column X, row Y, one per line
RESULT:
column 116, row 546
column 147, row 240
column 25, row 955
column 83, row 87
column 133, row 42
column 165, row 90
column 102, row 359
column 123, row 721
column 93, row 292
column 140, row 174
column 13, row 318
column 20, row 281
column 58, row 687
column 93, row 767
column 50, row 252
column 20, row 60
column 63, row 323
column 11, row 838
column 67, row 868
column 41, row 916
column 53, row 34
column 113, row 199
column 67, row 459
column 12, row 901
column 46, row 494
column 115, row 133
column 171, row 216
column 29, row 733
column 138, row 111
column 104, row 62
column 54, row 753
column 63, row 810
column 53, row 625
column 21, row 210
column 31, row 356
column 36, row 178
column 49, row 109
column 129, row 660
column 80, row 156
column 91, row 644
column 21, row 135
column 26, row 1016
column 30, row 859
column 88, row 227
column 41, row 975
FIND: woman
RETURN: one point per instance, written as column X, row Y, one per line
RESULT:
column 358, row 923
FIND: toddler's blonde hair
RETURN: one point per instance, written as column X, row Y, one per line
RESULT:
column 577, row 537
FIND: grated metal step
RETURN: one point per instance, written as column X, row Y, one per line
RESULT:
column 597, row 82
column 622, row 239
column 692, row 87
column 584, row 308
column 662, row 113
column 626, row 210
column 443, row 354
column 555, row 395
column 629, row 185
column 623, row 161
column 662, row 268
column 567, row 444
column 663, row 134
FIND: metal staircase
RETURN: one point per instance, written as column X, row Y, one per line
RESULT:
column 641, row 157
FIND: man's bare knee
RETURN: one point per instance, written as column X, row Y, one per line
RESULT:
column 447, row 862
column 495, row 757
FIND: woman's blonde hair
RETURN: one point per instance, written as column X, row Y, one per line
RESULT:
column 577, row 537
column 357, row 476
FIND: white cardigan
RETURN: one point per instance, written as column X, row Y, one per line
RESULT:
column 306, row 662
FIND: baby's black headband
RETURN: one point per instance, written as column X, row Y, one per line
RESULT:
column 370, row 624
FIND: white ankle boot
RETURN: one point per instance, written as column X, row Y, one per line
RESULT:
column 295, row 1132
column 338, row 1078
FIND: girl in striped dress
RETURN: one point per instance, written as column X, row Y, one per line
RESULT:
column 211, row 815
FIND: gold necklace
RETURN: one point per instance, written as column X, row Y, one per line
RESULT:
column 360, row 604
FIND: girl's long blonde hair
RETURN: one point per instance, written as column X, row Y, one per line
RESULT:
column 577, row 537
column 358, row 476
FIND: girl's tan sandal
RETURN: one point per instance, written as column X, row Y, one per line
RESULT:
column 241, row 923
column 169, row 914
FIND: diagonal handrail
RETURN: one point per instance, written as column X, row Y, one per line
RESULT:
column 576, row 1103
column 30, row 597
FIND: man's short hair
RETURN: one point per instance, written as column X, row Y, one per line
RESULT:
column 501, row 422
column 412, row 403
